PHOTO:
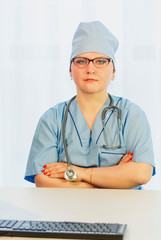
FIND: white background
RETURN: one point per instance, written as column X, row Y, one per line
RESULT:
column 35, row 47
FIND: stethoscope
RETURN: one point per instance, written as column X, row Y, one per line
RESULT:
column 71, row 174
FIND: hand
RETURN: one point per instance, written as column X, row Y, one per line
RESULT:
column 126, row 158
column 55, row 170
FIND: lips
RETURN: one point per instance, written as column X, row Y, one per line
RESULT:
column 90, row 80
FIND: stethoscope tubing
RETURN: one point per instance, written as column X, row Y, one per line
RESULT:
column 103, row 121
column 119, row 123
column 63, row 131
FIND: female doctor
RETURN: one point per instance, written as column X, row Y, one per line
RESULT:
column 106, row 139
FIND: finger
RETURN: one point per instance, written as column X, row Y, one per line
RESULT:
column 55, row 165
column 46, row 166
column 54, row 175
column 57, row 175
column 126, row 158
column 59, row 169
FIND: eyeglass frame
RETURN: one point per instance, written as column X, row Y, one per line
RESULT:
column 91, row 60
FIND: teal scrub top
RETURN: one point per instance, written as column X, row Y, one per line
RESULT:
column 85, row 147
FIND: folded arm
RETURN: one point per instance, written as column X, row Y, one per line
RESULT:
column 42, row 180
column 126, row 174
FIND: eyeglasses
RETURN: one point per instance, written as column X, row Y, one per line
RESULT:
column 82, row 62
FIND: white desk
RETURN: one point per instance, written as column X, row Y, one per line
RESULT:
column 141, row 210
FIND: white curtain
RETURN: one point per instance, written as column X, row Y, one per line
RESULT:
column 35, row 46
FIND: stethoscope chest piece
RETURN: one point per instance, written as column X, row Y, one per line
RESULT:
column 70, row 175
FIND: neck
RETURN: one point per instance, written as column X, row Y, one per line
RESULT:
column 91, row 102
column 92, row 98
column 90, row 105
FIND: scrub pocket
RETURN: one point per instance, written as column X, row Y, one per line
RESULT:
column 111, row 156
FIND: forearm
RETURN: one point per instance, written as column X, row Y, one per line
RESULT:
column 44, row 181
column 126, row 176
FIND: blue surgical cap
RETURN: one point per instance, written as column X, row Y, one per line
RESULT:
column 94, row 37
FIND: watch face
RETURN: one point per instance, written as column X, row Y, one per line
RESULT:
column 70, row 175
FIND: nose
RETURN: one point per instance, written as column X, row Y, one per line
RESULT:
column 91, row 68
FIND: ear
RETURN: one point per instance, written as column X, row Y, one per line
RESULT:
column 71, row 74
column 113, row 75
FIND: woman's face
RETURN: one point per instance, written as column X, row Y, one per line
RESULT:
column 91, row 79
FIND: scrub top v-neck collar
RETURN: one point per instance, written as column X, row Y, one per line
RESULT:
column 85, row 134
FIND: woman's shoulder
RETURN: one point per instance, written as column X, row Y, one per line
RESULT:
column 126, row 104
column 130, row 110
column 56, row 112
column 131, row 113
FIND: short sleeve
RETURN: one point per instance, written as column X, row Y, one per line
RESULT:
column 44, row 146
column 137, row 135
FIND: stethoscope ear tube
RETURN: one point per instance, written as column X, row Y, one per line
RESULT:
column 119, row 123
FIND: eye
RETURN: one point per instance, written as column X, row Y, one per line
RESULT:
column 101, row 61
column 80, row 61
